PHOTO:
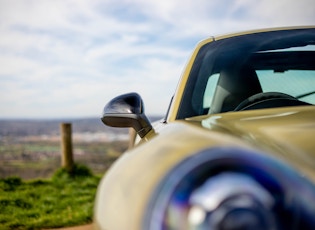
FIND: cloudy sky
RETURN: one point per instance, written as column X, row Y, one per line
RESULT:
column 67, row 58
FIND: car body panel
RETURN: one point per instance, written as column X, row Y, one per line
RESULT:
column 142, row 168
column 283, row 134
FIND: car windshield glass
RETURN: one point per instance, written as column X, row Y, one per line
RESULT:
column 228, row 71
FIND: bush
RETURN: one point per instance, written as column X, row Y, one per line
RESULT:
column 10, row 183
column 78, row 171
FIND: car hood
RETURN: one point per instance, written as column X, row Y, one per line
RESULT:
column 287, row 133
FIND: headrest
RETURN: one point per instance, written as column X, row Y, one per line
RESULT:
column 234, row 86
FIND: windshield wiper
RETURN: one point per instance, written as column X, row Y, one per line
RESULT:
column 305, row 95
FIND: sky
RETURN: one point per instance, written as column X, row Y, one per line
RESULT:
column 68, row 58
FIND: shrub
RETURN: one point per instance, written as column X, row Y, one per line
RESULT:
column 10, row 183
column 78, row 171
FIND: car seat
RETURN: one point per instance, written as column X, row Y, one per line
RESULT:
column 234, row 86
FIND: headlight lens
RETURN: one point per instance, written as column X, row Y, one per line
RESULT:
column 225, row 201
column 230, row 201
column 230, row 189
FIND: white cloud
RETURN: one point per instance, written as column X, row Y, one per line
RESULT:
column 69, row 57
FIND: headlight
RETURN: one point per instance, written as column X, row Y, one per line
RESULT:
column 230, row 200
column 231, row 189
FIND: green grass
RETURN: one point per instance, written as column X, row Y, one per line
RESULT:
column 64, row 200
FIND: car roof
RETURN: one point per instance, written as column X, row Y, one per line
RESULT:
column 263, row 30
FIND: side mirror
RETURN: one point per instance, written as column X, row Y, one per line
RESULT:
column 127, row 111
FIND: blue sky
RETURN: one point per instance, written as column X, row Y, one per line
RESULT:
column 68, row 58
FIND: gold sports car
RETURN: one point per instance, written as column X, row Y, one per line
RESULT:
column 236, row 149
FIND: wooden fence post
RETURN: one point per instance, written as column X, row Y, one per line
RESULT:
column 66, row 146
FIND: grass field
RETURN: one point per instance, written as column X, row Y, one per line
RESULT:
column 64, row 200
column 35, row 193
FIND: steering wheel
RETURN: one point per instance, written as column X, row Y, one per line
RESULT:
column 268, row 100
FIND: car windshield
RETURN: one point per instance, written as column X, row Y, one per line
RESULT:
column 228, row 71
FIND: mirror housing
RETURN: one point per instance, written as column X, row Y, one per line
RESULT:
column 127, row 110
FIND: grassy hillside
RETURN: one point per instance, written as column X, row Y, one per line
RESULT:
column 34, row 192
column 64, row 200
column 31, row 148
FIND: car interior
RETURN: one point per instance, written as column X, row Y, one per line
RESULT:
column 251, row 72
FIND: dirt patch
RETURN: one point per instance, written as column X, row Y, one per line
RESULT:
column 83, row 227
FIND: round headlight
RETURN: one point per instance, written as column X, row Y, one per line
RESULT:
column 231, row 189
column 231, row 200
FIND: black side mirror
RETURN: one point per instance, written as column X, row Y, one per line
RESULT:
column 127, row 111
